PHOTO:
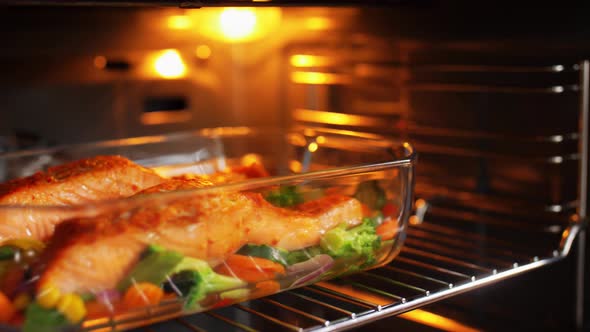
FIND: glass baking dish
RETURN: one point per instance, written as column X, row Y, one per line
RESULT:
column 302, row 171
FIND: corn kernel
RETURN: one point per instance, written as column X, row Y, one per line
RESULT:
column 72, row 306
column 48, row 296
column 21, row 301
column 25, row 244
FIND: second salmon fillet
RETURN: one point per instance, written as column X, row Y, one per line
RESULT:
column 90, row 255
column 79, row 182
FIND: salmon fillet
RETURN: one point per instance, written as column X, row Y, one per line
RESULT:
column 303, row 226
column 87, row 255
column 94, row 254
column 82, row 181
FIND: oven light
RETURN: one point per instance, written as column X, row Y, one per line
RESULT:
column 179, row 22
column 237, row 23
column 301, row 60
column 304, row 60
column 312, row 147
column 169, row 65
column 318, row 78
column 318, row 23
column 342, row 119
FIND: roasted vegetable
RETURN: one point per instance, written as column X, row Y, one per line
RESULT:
column 302, row 255
column 251, row 269
column 7, row 253
column 371, row 194
column 155, row 265
column 48, row 296
column 7, row 309
column 274, row 254
column 285, row 196
column 72, row 306
column 387, row 230
column 360, row 241
column 39, row 319
column 194, row 279
column 142, row 294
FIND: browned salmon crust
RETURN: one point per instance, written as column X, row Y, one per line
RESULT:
column 87, row 255
column 82, row 181
column 90, row 255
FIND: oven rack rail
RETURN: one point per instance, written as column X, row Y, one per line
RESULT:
column 438, row 260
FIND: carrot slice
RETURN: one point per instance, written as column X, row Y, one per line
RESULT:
column 367, row 212
column 249, row 268
column 142, row 294
column 6, row 309
column 222, row 303
column 389, row 210
column 387, row 230
column 266, row 287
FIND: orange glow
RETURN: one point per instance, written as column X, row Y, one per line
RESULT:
column 318, row 23
column 303, row 77
column 203, row 52
column 420, row 203
column 437, row 321
column 241, row 24
column 303, row 60
column 414, row 220
column 179, row 22
column 417, row 315
column 295, row 166
column 335, row 118
column 250, row 159
column 100, row 62
column 163, row 117
column 312, row 147
column 321, row 139
column 169, row 64
column 237, row 23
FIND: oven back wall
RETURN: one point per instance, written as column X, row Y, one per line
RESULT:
column 75, row 75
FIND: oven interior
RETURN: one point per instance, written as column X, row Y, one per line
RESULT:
column 493, row 98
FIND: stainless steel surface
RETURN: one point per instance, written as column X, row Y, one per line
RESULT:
column 583, row 189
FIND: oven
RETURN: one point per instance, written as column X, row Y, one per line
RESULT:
column 495, row 99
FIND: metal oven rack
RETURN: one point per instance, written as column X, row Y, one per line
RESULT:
column 465, row 241
column 438, row 261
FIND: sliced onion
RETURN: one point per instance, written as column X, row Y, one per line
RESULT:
column 310, row 269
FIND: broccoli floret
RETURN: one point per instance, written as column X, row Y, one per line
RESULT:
column 194, row 279
column 285, row 196
column 39, row 319
column 155, row 265
column 298, row 256
column 357, row 242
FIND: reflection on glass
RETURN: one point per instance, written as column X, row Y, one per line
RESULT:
column 203, row 52
column 303, row 77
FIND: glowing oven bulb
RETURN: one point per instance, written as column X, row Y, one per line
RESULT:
column 237, row 23
column 170, row 65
